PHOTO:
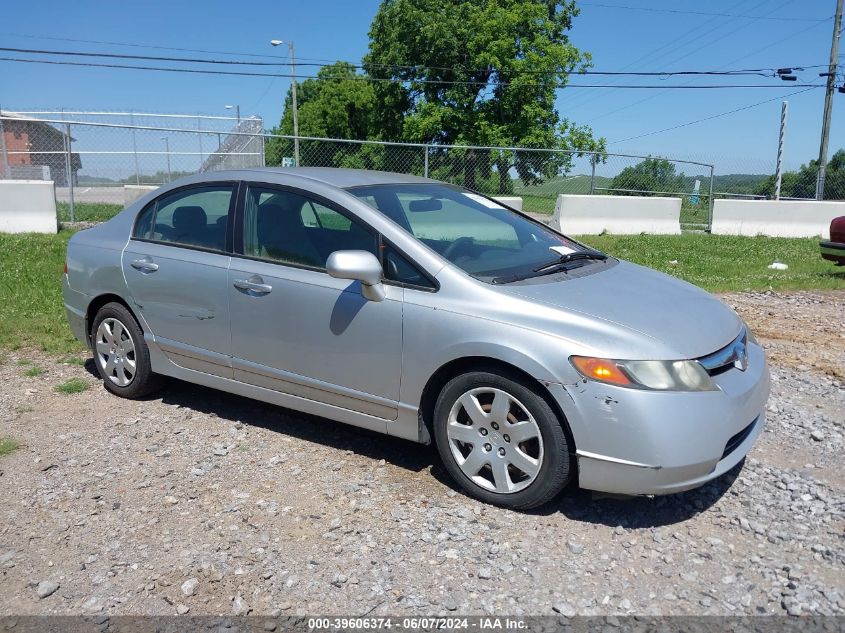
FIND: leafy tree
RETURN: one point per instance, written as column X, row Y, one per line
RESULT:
column 802, row 183
column 650, row 174
column 504, row 61
column 339, row 104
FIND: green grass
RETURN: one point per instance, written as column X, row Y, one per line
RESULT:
column 88, row 211
column 31, row 308
column 7, row 446
column 32, row 372
column 71, row 359
column 32, row 314
column 541, row 198
column 74, row 385
column 722, row 263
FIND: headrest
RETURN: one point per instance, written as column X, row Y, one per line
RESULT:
column 189, row 218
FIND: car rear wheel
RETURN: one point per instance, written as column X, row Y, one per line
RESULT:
column 500, row 440
column 121, row 354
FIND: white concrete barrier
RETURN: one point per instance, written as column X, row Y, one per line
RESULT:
column 28, row 206
column 621, row 215
column 132, row 192
column 514, row 202
column 775, row 218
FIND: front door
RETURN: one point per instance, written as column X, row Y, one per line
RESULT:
column 176, row 266
column 299, row 331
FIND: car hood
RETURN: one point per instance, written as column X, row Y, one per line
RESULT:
column 679, row 315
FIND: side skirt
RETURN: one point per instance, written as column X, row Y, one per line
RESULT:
column 405, row 426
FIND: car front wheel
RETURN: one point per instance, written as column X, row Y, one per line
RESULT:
column 500, row 440
column 121, row 354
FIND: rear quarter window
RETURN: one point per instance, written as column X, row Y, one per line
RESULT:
column 144, row 222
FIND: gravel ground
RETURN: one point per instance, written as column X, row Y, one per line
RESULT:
column 203, row 503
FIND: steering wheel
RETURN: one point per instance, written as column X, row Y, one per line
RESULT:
column 458, row 244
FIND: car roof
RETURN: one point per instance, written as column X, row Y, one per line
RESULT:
column 341, row 177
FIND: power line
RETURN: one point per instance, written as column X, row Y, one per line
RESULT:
column 705, row 13
column 710, row 118
column 681, row 41
column 134, row 45
column 163, row 48
column 761, row 72
column 777, row 42
column 384, row 79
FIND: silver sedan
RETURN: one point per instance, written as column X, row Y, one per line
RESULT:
column 425, row 311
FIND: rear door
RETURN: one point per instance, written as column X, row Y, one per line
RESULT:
column 297, row 330
column 176, row 268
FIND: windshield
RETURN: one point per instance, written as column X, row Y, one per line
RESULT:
column 473, row 232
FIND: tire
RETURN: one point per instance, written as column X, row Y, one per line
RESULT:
column 118, row 343
column 467, row 419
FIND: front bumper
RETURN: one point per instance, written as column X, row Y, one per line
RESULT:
column 636, row 442
column 833, row 251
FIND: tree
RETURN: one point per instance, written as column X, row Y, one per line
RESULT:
column 649, row 175
column 338, row 104
column 802, row 183
column 478, row 73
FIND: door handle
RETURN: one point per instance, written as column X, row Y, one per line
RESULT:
column 254, row 284
column 144, row 265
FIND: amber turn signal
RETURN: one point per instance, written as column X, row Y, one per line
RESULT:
column 600, row 369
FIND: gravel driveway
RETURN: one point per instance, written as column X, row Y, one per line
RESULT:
column 207, row 503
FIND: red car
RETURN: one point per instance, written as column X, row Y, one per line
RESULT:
column 834, row 250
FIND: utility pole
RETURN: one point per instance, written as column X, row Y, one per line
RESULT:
column 293, row 96
column 784, row 110
column 828, row 100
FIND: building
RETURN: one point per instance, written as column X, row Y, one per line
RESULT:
column 34, row 150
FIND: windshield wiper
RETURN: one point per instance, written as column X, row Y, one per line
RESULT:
column 570, row 257
column 549, row 268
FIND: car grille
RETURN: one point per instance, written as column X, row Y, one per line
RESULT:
column 728, row 357
column 738, row 439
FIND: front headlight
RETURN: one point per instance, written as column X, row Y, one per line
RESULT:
column 660, row 375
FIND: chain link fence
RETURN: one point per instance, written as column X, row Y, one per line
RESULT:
column 91, row 162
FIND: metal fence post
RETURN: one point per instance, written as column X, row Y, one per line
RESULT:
column 592, row 174
column 4, row 153
column 425, row 156
column 135, row 149
column 69, row 170
column 710, row 209
column 199, row 138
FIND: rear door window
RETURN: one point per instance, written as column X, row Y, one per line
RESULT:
column 190, row 217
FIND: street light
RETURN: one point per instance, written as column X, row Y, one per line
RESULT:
column 237, row 109
column 293, row 94
column 167, row 152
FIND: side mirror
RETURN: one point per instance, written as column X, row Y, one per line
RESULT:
column 360, row 266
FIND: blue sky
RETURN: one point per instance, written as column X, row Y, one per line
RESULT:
column 619, row 39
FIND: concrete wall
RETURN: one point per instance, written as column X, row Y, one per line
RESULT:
column 775, row 218
column 27, row 206
column 132, row 192
column 621, row 215
column 514, row 202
